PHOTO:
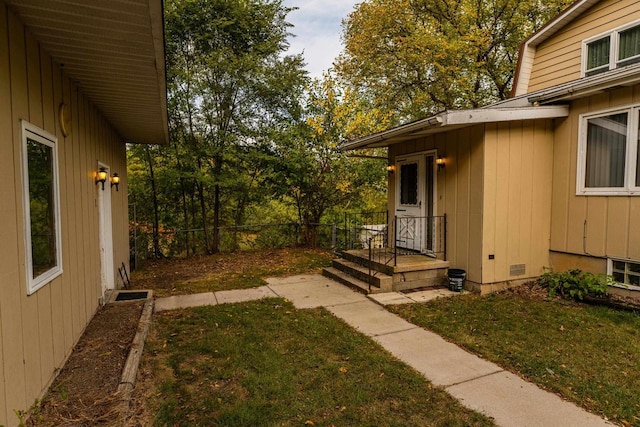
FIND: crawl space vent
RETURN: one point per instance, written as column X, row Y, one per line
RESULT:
column 517, row 269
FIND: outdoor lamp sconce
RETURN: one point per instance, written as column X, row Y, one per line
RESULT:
column 440, row 162
column 115, row 180
column 391, row 169
column 101, row 177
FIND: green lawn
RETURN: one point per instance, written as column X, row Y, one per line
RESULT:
column 266, row 363
column 589, row 355
column 225, row 271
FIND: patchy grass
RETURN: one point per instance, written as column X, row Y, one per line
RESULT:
column 265, row 363
column 225, row 271
column 589, row 355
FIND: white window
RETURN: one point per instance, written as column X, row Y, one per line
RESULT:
column 625, row 272
column 608, row 153
column 40, row 192
column 616, row 48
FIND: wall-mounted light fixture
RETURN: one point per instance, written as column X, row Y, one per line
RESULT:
column 101, row 177
column 391, row 169
column 115, row 180
column 440, row 162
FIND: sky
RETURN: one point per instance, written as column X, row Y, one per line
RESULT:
column 317, row 31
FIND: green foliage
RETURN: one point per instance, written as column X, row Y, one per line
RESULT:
column 247, row 130
column 418, row 57
column 586, row 354
column 266, row 363
column 575, row 284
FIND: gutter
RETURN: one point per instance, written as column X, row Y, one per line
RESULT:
column 625, row 76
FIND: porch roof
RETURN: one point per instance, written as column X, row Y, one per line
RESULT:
column 454, row 119
column 114, row 50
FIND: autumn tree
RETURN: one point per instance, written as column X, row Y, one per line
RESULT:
column 229, row 83
column 417, row 57
column 315, row 175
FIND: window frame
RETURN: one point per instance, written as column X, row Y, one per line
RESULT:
column 629, row 188
column 628, row 286
column 34, row 133
column 614, row 44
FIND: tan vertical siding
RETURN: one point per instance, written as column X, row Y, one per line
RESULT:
column 517, row 198
column 12, row 369
column 32, row 382
column 601, row 226
column 557, row 60
column 37, row 332
column 58, row 300
column 459, row 192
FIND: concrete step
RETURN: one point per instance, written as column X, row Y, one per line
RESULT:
column 384, row 262
column 380, row 280
column 420, row 283
column 378, row 263
column 352, row 282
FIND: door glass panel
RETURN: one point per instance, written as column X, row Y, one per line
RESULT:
column 429, row 222
column 409, row 184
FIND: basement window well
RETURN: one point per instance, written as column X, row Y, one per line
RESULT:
column 625, row 272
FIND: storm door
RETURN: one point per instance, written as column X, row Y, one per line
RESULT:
column 415, row 186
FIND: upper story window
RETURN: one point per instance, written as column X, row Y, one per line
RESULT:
column 40, row 192
column 610, row 50
column 608, row 155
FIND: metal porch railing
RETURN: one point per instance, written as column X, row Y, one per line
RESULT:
column 385, row 239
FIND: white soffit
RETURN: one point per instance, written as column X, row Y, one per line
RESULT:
column 114, row 50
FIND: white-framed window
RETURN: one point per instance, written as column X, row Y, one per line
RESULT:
column 613, row 49
column 608, row 153
column 41, row 198
column 625, row 272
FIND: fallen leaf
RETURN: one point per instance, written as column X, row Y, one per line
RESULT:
column 342, row 369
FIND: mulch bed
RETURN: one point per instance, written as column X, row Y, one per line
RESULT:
column 539, row 292
column 85, row 391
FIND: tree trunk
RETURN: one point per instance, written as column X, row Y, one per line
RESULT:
column 154, row 193
column 203, row 213
column 216, row 205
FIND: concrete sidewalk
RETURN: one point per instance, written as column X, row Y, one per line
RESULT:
column 476, row 383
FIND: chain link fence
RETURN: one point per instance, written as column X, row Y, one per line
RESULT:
column 185, row 243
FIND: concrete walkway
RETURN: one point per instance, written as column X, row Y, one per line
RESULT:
column 476, row 383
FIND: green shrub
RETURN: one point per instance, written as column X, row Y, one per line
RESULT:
column 575, row 284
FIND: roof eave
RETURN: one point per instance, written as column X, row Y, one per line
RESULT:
column 451, row 120
column 521, row 84
column 114, row 52
column 587, row 86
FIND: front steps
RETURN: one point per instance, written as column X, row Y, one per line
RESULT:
column 410, row 272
